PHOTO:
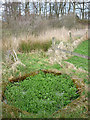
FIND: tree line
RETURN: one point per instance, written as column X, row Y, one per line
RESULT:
column 45, row 9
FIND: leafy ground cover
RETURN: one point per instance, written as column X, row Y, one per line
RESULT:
column 42, row 94
column 78, row 61
column 36, row 61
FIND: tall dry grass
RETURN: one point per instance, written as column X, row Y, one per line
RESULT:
column 44, row 37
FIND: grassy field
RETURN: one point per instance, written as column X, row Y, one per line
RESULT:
column 39, row 60
column 78, row 61
column 83, row 48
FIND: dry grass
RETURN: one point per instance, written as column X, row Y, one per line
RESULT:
column 60, row 35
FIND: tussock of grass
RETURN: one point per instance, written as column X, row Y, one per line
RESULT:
column 29, row 46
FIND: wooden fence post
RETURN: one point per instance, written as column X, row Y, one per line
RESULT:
column 86, row 35
column 53, row 42
column 70, row 35
column 53, row 45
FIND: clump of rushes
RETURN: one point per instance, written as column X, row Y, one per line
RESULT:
column 42, row 93
column 37, row 45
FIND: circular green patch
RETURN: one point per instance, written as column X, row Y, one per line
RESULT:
column 42, row 93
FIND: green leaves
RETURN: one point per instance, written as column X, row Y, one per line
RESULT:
column 42, row 92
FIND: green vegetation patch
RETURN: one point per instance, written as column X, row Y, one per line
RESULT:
column 35, row 62
column 42, row 94
column 82, row 48
column 29, row 46
column 79, row 61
